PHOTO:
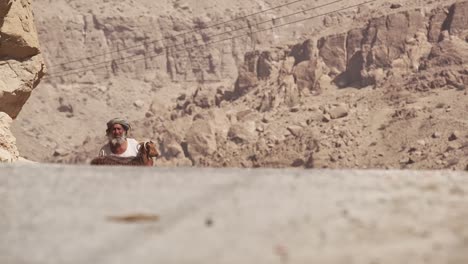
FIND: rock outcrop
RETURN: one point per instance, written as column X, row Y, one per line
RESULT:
column 178, row 49
column 8, row 150
column 397, row 44
column 21, row 66
column 201, row 140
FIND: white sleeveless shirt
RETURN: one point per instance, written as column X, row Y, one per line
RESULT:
column 131, row 151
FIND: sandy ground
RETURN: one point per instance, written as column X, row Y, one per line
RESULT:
column 78, row 214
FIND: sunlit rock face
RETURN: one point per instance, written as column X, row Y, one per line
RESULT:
column 21, row 67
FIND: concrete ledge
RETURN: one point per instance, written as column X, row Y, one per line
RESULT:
column 81, row 214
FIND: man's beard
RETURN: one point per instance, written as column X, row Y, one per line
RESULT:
column 117, row 141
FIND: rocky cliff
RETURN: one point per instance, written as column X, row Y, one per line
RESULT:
column 384, row 49
column 21, row 67
column 380, row 85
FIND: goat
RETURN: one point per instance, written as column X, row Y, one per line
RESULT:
column 146, row 151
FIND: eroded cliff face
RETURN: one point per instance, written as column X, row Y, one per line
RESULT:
column 410, row 43
column 160, row 39
column 21, row 67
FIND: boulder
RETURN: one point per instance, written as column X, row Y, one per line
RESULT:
column 436, row 24
column 287, row 65
column 139, row 103
column 436, row 135
column 170, row 146
column 417, row 48
column 201, row 139
column 457, row 19
column 308, row 68
column 307, row 75
column 304, row 51
column 295, row 130
column 448, row 52
column 386, row 37
column 377, row 48
column 264, row 65
column 250, row 61
column 246, row 81
column 5, row 156
column 354, row 59
column 18, row 80
column 332, row 50
column 242, row 132
column 454, row 136
column 18, row 33
column 247, row 115
column 204, row 97
column 21, row 65
column 217, row 119
column 157, row 108
column 8, row 149
column 289, row 92
column 267, row 102
column 173, row 150
column 338, row 112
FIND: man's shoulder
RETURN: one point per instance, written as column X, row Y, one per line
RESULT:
column 132, row 141
column 106, row 146
column 133, row 144
column 105, row 150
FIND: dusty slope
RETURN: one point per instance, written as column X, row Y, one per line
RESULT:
column 268, row 117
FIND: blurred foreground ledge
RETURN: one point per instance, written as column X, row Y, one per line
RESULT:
column 82, row 214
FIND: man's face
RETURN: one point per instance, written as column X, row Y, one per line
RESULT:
column 117, row 130
column 117, row 134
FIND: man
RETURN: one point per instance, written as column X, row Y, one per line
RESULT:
column 119, row 145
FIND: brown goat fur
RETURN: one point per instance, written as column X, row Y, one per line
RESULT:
column 146, row 152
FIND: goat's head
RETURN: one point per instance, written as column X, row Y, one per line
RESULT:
column 150, row 149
